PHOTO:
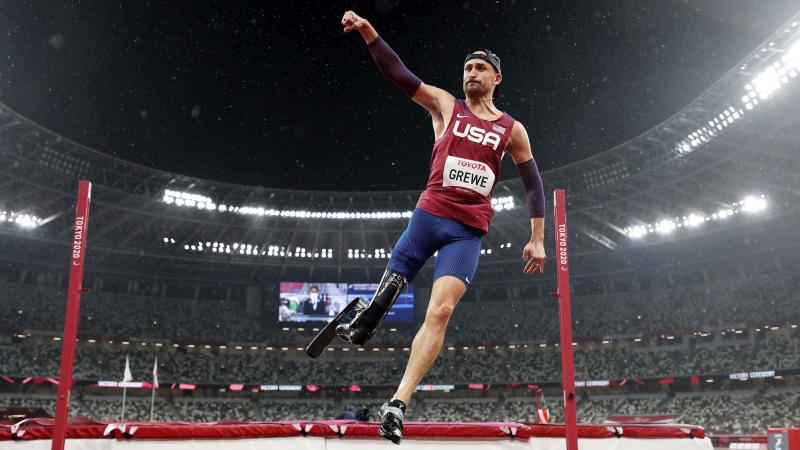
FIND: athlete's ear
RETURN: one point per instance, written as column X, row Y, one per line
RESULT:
column 498, row 78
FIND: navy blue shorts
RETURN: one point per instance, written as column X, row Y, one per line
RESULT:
column 459, row 247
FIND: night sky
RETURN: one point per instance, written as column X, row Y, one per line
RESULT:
column 274, row 94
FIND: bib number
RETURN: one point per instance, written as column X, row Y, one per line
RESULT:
column 466, row 173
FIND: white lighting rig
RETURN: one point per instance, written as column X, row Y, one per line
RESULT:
column 277, row 251
column 761, row 87
column 23, row 220
column 378, row 253
column 240, row 248
column 203, row 203
column 503, row 203
column 750, row 205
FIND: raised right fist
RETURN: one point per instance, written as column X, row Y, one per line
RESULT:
column 352, row 21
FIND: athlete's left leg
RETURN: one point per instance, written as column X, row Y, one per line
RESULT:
column 455, row 266
column 445, row 295
column 427, row 344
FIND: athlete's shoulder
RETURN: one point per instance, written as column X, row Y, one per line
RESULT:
column 518, row 128
column 518, row 138
column 507, row 117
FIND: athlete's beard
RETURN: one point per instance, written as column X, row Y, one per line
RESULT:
column 475, row 89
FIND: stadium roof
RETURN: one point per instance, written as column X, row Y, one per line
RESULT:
column 706, row 158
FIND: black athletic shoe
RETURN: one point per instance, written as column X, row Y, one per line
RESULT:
column 391, row 417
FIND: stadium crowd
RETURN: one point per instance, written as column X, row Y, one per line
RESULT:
column 767, row 350
column 730, row 303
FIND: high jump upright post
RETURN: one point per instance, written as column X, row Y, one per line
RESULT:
column 74, row 291
column 565, row 319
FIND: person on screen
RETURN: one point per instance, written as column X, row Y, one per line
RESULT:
column 285, row 314
column 313, row 305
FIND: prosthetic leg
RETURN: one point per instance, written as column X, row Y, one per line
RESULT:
column 363, row 326
column 328, row 333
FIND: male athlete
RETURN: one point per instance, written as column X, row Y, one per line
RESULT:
column 454, row 211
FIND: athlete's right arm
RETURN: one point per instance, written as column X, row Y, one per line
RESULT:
column 437, row 102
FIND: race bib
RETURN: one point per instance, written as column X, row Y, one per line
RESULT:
column 469, row 174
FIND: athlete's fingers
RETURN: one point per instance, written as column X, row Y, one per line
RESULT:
column 529, row 267
column 540, row 264
column 528, row 258
column 351, row 25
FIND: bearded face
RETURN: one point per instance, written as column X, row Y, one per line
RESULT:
column 480, row 78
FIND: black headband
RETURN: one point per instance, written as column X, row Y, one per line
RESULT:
column 489, row 57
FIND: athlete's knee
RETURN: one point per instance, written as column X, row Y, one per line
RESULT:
column 439, row 314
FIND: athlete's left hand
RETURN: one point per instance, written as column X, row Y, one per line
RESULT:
column 534, row 257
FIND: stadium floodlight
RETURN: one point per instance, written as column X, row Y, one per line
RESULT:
column 723, row 213
column 791, row 59
column 752, row 204
column 665, row 226
column 28, row 221
column 241, row 248
column 761, row 87
column 766, row 83
column 503, row 203
column 201, row 202
column 694, row 220
column 22, row 220
column 184, row 196
column 636, row 232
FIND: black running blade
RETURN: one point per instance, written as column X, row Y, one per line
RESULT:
column 321, row 340
column 327, row 334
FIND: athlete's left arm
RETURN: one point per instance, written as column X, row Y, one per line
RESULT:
column 519, row 147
